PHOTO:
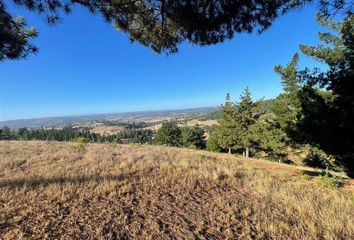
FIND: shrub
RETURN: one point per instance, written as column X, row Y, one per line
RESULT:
column 317, row 158
column 330, row 181
column 80, row 144
column 80, row 140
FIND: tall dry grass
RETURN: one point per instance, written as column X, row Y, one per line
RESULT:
column 103, row 191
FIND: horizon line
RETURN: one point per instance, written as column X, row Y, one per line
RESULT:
column 96, row 114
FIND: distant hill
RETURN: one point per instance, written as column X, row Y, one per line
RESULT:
column 127, row 116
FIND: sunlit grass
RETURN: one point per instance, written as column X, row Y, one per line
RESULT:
column 105, row 191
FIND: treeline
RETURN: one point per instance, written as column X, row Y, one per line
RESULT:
column 71, row 134
column 127, row 125
column 170, row 134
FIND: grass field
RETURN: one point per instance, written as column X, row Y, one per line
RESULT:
column 102, row 191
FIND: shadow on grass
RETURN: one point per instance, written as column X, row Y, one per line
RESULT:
column 36, row 182
column 311, row 173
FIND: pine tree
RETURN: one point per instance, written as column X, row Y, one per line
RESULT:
column 23, row 133
column 193, row 137
column 213, row 143
column 287, row 105
column 159, row 24
column 169, row 134
column 245, row 116
column 225, row 132
column 327, row 99
column 266, row 135
column 6, row 133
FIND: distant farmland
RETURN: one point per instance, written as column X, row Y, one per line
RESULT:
column 126, row 116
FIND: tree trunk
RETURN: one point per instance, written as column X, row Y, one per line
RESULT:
column 243, row 153
column 247, row 152
column 229, row 150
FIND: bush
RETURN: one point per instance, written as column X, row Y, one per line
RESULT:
column 80, row 144
column 330, row 181
column 315, row 159
column 80, row 140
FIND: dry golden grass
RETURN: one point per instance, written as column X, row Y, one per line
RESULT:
column 202, row 123
column 51, row 190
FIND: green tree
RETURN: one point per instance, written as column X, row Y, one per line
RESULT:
column 245, row 116
column 236, row 119
column 193, row 137
column 169, row 134
column 327, row 99
column 287, row 106
column 6, row 133
column 15, row 36
column 213, row 137
column 213, row 144
column 159, row 24
column 225, row 132
column 266, row 135
column 23, row 133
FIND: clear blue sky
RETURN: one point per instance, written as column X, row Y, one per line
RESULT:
column 85, row 66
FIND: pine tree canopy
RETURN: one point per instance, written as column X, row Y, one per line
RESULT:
column 287, row 105
column 225, row 131
column 327, row 100
column 245, row 116
column 193, row 137
column 169, row 134
column 159, row 24
column 235, row 122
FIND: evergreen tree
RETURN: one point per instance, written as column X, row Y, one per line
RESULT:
column 245, row 116
column 6, row 133
column 327, row 98
column 213, row 143
column 287, row 105
column 225, row 132
column 234, row 124
column 23, row 133
column 159, row 24
column 169, row 134
column 266, row 135
column 193, row 137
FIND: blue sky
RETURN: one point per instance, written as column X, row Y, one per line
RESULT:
column 84, row 66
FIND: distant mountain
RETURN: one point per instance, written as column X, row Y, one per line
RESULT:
column 126, row 116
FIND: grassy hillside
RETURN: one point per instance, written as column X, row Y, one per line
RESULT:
column 104, row 191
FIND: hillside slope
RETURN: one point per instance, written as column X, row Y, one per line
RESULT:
column 103, row 191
